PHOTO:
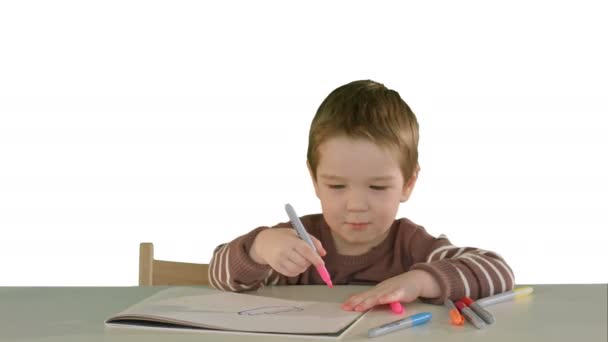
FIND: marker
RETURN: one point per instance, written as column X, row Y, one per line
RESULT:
column 455, row 316
column 505, row 296
column 405, row 323
column 481, row 312
column 397, row 308
column 299, row 227
column 470, row 315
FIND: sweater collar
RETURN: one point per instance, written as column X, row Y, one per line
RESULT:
column 374, row 254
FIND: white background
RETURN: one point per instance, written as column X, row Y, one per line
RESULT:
column 185, row 124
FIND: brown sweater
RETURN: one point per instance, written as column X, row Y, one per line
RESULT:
column 460, row 272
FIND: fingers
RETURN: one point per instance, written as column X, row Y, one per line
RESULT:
column 349, row 304
column 389, row 298
column 367, row 303
column 361, row 302
column 353, row 301
column 289, row 268
column 318, row 246
column 293, row 262
column 309, row 254
column 368, row 299
column 299, row 261
column 290, row 255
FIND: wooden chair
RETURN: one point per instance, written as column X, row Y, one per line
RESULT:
column 161, row 273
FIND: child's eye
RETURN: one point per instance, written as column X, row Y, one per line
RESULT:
column 375, row 187
column 335, row 186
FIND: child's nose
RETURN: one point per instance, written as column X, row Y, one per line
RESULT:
column 356, row 202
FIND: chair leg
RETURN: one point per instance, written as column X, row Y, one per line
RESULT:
column 146, row 263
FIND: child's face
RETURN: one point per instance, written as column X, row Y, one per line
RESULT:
column 360, row 186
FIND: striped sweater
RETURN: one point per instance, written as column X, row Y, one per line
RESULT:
column 460, row 271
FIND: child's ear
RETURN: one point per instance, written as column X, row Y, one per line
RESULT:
column 314, row 181
column 409, row 186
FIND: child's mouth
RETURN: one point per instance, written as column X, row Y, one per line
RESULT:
column 358, row 225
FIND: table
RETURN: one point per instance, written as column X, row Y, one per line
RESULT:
column 551, row 313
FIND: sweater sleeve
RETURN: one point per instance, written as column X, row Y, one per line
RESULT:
column 460, row 271
column 232, row 269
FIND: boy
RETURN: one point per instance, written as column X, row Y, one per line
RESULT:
column 363, row 161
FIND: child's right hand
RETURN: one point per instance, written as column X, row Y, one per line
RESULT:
column 285, row 252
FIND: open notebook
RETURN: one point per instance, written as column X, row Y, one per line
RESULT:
column 205, row 308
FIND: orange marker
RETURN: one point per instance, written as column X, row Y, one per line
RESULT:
column 455, row 316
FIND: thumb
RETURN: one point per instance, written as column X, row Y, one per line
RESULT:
column 318, row 246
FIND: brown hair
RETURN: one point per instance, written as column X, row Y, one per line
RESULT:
column 369, row 110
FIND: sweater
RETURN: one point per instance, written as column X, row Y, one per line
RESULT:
column 460, row 271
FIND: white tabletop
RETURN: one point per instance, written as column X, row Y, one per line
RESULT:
column 551, row 313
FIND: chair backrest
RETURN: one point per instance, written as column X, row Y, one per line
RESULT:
column 161, row 273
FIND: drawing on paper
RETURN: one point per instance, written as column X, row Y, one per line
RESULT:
column 256, row 311
column 270, row 310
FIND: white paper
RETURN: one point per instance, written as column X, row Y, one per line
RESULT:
column 213, row 309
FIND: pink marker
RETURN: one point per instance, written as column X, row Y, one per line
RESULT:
column 303, row 234
column 397, row 308
column 324, row 275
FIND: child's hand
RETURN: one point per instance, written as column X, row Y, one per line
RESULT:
column 285, row 252
column 405, row 287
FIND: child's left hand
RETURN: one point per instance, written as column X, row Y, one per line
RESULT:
column 405, row 287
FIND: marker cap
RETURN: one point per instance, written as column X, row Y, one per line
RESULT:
column 397, row 308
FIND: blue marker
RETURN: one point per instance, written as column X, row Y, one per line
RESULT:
column 407, row 322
